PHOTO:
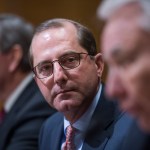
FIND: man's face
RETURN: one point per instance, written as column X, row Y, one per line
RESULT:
column 66, row 90
column 126, row 50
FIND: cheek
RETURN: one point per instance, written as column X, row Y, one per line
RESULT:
column 137, row 80
column 45, row 90
column 140, row 73
column 86, row 73
column 144, row 87
column 141, row 80
column 86, row 80
column 89, row 84
column 89, row 76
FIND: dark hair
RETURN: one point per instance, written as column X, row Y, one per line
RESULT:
column 15, row 30
column 84, row 35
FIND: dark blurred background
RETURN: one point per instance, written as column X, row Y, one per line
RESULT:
column 37, row 11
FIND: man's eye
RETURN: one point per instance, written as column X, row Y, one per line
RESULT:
column 68, row 60
column 45, row 68
column 71, row 59
column 125, row 63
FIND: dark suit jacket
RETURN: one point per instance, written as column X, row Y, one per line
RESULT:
column 20, row 129
column 101, row 128
column 136, row 139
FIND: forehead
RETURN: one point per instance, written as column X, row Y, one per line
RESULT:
column 56, row 35
column 54, row 42
column 120, row 34
column 122, row 30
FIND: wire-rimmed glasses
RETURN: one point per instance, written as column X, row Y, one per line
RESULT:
column 67, row 62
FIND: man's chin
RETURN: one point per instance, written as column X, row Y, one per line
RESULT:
column 67, row 105
column 62, row 105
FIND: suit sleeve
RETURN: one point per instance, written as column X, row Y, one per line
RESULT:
column 30, row 119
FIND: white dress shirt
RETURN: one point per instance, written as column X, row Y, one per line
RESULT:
column 16, row 93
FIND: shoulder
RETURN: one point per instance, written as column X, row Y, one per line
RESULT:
column 31, row 100
column 136, row 135
column 29, row 108
column 53, row 121
column 51, row 126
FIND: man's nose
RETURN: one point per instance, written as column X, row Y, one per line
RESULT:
column 60, row 74
column 114, row 85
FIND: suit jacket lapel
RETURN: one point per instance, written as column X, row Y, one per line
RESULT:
column 99, row 131
column 16, row 110
column 56, row 143
column 53, row 136
column 101, row 146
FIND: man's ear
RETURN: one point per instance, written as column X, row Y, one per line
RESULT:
column 99, row 64
column 16, row 54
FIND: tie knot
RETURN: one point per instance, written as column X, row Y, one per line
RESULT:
column 70, row 131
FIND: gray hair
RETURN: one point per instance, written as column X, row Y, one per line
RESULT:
column 108, row 7
column 15, row 30
column 84, row 35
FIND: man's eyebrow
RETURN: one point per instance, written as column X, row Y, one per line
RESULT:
column 69, row 52
column 49, row 61
column 43, row 62
column 116, row 53
column 120, row 54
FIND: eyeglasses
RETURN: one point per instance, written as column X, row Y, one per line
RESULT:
column 67, row 62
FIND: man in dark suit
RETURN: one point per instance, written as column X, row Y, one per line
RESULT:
column 106, row 129
column 68, row 71
column 127, row 30
column 24, row 106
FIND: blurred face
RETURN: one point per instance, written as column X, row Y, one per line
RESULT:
column 126, row 50
column 66, row 90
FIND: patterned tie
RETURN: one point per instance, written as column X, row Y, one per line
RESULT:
column 70, row 134
column 2, row 114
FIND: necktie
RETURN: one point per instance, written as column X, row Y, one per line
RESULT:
column 2, row 114
column 70, row 134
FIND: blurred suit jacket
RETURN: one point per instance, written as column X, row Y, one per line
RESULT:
column 136, row 139
column 21, row 125
column 103, row 132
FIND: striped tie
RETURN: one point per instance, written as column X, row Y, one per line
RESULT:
column 70, row 134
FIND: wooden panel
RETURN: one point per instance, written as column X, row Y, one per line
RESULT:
column 37, row 11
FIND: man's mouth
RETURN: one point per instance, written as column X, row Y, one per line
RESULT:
column 61, row 92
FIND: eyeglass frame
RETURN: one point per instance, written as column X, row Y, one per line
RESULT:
column 58, row 60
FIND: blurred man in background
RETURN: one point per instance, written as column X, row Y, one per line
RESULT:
column 126, row 49
column 23, row 108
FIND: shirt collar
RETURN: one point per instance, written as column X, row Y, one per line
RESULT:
column 16, row 93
